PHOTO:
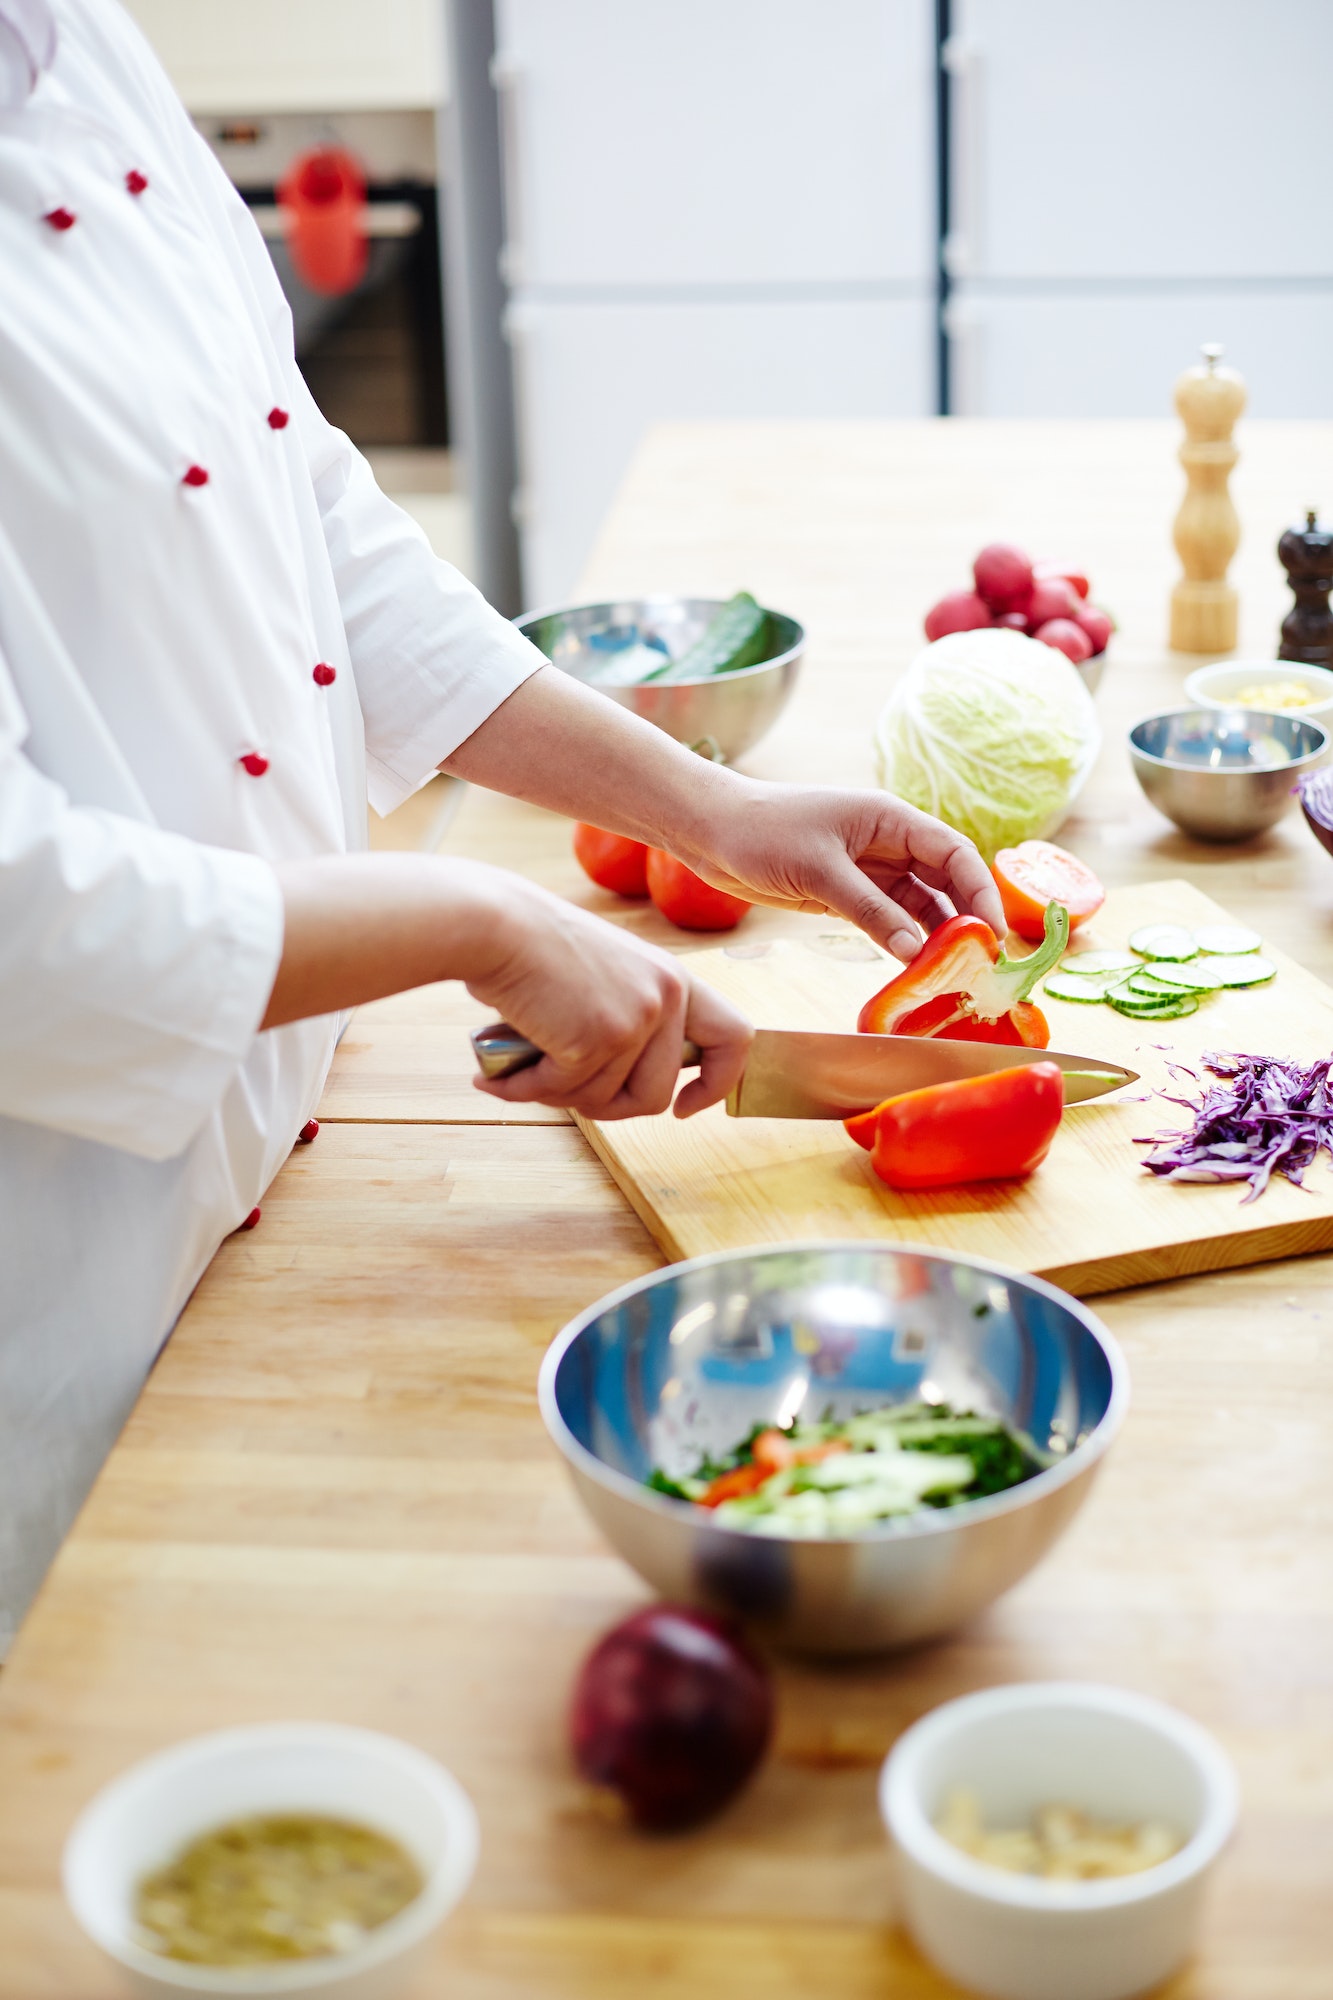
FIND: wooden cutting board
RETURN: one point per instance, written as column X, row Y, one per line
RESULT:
column 1091, row 1219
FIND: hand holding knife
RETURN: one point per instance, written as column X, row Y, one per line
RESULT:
column 807, row 1074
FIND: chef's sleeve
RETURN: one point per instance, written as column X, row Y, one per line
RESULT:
column 135, row 965
column 431, row 658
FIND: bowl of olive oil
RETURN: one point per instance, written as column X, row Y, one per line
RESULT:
column 290, row 1858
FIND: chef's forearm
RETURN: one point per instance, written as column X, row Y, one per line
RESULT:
column 359, row 926
column 560, row 745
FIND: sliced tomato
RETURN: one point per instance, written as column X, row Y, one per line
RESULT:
column 611, row 860
column 686, row 899
column 1037, row 873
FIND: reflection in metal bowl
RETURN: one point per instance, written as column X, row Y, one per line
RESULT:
column 683, row 1363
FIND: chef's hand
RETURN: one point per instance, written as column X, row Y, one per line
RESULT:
column 861, row 855
column 610, row 1013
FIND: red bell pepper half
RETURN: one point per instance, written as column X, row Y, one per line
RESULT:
column 982, row 1128
column 961, row 985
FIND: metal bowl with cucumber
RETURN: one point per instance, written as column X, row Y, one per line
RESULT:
column 715, row 674
column 677, row 1366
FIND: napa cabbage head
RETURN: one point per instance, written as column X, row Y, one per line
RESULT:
column 992, row 733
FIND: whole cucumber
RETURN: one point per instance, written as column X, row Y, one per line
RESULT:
column 737, row 636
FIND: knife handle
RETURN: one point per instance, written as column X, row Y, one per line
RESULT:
column 501, row 1051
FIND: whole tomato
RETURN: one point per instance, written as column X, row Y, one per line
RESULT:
column 685, row 899
column 612, row 861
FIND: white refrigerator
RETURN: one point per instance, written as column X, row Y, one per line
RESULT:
column 711, row 211
column 1128, row 181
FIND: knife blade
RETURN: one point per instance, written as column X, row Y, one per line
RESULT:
column 804, row 1073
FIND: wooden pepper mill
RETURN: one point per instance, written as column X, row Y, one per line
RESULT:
column 1306, row 554
column 1203, row 604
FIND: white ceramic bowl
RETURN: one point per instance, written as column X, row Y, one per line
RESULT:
column 1116, row 1755
column 146, row 1817
column 1218, row 685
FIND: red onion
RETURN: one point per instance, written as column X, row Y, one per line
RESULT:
column 672, row 1712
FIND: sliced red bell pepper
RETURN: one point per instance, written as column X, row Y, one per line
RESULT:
column 982, row 1128
column 962, row 986
column 734, row 1485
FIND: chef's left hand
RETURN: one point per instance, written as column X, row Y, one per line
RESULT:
column 865, row 856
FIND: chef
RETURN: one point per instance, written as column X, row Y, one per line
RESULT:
column 216, row 639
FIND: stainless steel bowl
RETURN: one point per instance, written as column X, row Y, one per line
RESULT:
column 685, row 1361
column 1223, row 773
column 722, row 716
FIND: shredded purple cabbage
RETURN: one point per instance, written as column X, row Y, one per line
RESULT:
column 1262, row 1117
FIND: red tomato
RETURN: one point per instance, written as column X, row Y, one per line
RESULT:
column 611, row 860
column 1036, row 873
column 685, row 899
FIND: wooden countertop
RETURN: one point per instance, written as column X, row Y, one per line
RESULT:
column 335, row 1498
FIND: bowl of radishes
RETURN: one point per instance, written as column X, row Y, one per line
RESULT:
column 1045, row 600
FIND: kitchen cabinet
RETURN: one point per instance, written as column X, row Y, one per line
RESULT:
column 590, row 376
column 1128, row 182
column 709, row 212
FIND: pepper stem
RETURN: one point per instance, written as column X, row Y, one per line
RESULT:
column 1048, row 953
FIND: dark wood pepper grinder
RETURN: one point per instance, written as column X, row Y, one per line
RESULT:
column 1306, row 554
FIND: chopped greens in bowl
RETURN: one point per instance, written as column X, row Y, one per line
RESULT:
column 835, row 1478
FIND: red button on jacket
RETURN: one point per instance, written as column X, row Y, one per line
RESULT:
column 254, row 762
column 325, row 675
column 194, row 475
column 60, row 218
column 135, row 181
column 278, row 420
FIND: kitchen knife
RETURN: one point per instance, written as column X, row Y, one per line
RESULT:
column 805, row 1074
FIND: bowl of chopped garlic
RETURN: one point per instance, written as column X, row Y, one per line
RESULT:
column 1282, row 687
column 1054, row 1838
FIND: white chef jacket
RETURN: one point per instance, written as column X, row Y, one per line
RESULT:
column 183, row 542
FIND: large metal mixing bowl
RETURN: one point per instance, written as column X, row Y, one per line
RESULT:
column 722, row 716
column 1223, row 773
column 683, row 1362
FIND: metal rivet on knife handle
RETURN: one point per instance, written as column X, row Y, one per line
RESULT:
column 501, row 1051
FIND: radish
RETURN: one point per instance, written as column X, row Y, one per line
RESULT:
column 960, row 611
column 1067, row 638
column 1003, row 576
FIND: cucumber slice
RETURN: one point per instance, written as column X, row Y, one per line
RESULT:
column 1170, row 942
column 737, row 636
column 1084, row 991
column 1088, row 964
column 1227, row 940
column 1197, row 977
column 1248, row 970
column 1164, row 1009
column 1143, row 986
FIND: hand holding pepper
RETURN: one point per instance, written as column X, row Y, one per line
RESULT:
column 963, row 987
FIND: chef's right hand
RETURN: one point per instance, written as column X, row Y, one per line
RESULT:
column 610, row 1012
